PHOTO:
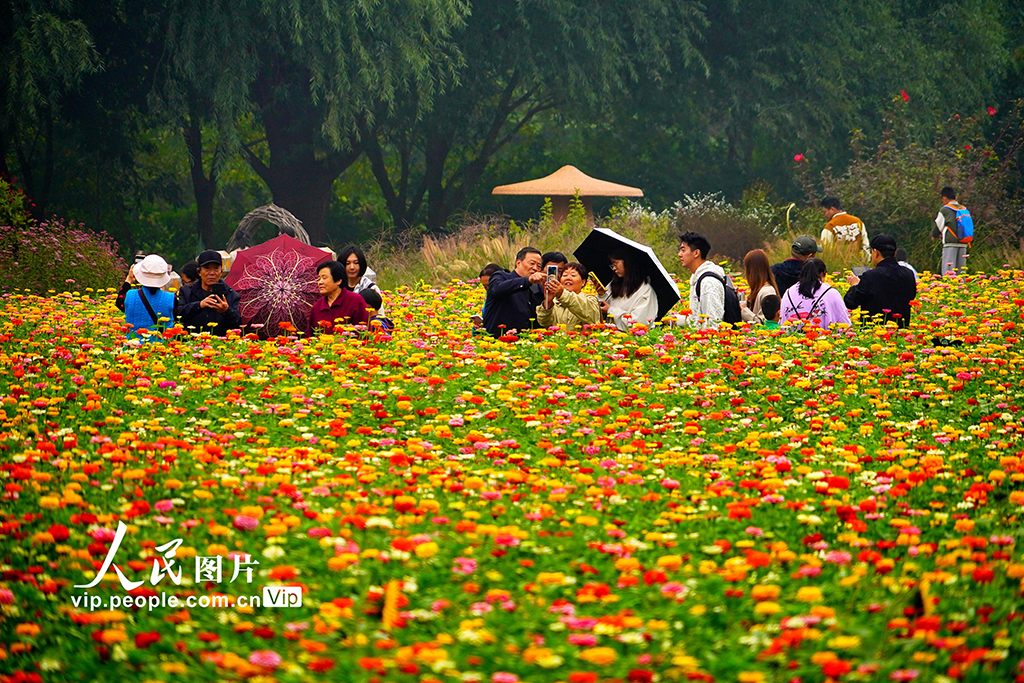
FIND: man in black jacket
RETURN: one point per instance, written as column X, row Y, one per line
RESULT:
column 884, row 293
column 208, row 305
column 788, row 272
column 511, row 298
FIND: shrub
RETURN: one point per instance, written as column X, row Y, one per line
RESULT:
column 57, row 256
column 13, row 211
column 732, row 231
column 894, row 188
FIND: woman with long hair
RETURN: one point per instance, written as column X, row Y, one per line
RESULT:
column 811, row 299
column 630, row 299
column 757, row 270
column 358, row 275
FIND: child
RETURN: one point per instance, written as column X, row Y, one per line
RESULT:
column 770, row 306
column 377, row 323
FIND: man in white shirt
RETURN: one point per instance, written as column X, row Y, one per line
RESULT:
column 708, row 309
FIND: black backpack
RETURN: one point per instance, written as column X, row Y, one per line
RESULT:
column 732, row 299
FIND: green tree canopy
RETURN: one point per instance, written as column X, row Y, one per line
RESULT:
column 522, row 57
column 310, row 71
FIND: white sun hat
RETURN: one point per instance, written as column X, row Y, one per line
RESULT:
column 152, row 271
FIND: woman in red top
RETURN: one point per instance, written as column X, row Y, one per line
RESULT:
column 338, row 306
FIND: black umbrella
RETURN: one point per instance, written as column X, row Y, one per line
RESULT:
column 601, row 242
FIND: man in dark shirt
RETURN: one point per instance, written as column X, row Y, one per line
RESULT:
column 788, row 272
column 208, row 305
column 511, row 300
column 885, row 291
column 339, row 305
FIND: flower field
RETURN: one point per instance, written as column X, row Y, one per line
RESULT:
column 710, row 506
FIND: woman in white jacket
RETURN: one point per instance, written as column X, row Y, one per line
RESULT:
column 358, row 275
column 630, row 299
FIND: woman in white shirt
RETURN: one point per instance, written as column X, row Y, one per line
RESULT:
column 629, row 300
column 758, row 272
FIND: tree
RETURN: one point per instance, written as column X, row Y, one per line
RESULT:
column 522, row 58
column 44, row 54
column 310, row 71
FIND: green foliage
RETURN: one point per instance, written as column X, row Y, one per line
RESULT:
column 13, row 211
column 43, row 54
column 731, row 230
column 894, row 188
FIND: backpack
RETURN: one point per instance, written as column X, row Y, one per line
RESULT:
column 803, row 318
column 732, row 300
column 964, row 223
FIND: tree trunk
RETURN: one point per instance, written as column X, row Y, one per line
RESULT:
column 204, row 188
column 302, row 166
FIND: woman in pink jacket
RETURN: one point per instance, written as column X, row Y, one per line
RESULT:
column 812, row 300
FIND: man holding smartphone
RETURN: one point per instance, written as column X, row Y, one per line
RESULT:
column 208, row 305
column 512, row 301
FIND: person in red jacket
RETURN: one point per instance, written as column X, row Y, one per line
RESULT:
column 339, row 306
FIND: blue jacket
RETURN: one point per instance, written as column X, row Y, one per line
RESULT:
column 138, row 317
column 511, row 304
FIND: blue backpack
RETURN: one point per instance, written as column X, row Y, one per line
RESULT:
column 964, row 223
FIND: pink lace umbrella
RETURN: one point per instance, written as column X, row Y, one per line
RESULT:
column 277, row 283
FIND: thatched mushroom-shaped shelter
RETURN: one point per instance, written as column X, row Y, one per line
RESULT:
column 563, row 185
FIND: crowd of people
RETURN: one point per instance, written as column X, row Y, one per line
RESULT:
column 203, row 302
column 546, row 290
column 793, row 291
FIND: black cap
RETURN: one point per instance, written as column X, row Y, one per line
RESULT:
column 209, row 256
column 883, row 243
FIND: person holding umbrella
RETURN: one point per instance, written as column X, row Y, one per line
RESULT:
column 208, row 305
column 629, row 299
column 639, row 289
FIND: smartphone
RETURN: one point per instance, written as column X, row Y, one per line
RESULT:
column 597, row 283
column 859, row 270
column 552, row 272
column 220, row 289
column 139, row 258
column 477, row 320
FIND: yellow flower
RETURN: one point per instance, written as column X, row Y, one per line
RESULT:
column 767, row 608
column 750, row 677
column 49, row 502
column 809, row 594
column 425, row 550
column 765, row 592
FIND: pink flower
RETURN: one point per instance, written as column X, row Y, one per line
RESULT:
column 318, row 532
column 490, row 495
column 464, row 566
column 504, row 677
column 670, row 483
column 507, row 540
column 246, row 522
column 838, row 557
column 904, row 674
column 164, row 505
column 754, row 531
column 268, row 659
column 798, row 157
column 584, row 639
column 6, row 597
